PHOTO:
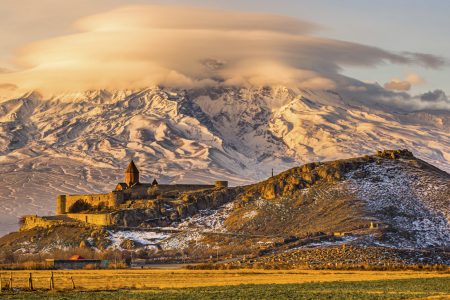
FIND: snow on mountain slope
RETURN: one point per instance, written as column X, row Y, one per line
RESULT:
column 411, row 200
column 77, row 143
column 397, row 202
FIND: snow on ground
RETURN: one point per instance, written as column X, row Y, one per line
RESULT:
column 146, row 238
column 250, row 214
column 411, row 202
column 208, row 219
column 180, row 241
column 155, row 240
column 342, row 240
column 187, row 231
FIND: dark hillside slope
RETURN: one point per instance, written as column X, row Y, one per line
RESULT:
column 408, row 199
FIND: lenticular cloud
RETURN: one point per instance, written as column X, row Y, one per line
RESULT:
column 138, row 46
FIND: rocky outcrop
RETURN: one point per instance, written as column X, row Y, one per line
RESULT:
column 393, row 154
column 165, row 211
column 288, row 183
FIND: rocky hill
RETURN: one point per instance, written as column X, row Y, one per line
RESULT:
column 406, row 198
column 79, row 142
column 389, row 200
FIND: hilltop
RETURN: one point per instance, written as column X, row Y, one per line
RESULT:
column 390, row 207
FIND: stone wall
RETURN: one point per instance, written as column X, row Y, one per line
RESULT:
column 32, row 221
column 65, row 202
column 94, row 219
column 221, row 184
column 138, row 191
column 180, row 188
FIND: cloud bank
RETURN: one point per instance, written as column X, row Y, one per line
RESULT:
column 404, row 84
column 139, row 46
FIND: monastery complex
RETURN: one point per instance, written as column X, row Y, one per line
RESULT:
column 107, row 209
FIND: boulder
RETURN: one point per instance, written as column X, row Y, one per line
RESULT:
column 130, row 244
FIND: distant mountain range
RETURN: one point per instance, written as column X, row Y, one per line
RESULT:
column 81, row 142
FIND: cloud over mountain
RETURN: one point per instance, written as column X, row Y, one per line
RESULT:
column 404, row 84
column 137, row 46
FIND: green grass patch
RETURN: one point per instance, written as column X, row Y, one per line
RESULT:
column 380, row 289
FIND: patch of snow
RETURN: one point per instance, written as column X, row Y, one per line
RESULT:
column 250, row 214
column 180, row 241
column 208, row 219
column 405, row 199
column 343, row 240
column 145, row 238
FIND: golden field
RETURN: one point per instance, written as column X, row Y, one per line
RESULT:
column 164, row 279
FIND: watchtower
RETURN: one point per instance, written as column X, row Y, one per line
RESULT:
column 131, row 174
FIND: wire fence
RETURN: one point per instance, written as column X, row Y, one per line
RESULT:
column 14, row 281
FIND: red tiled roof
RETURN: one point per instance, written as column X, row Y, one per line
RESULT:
column 76, row 257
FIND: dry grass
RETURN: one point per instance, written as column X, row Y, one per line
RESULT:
column 144, row 279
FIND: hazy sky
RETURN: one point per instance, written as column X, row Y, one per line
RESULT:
column 396, row 27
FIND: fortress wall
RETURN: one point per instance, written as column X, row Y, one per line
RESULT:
column 162, row 188
column 61, row 206
column 95, row 219
column 33, row 221
column 221, row 184
column 138, row 191
column 65, row 202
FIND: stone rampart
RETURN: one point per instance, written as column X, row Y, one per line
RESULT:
column 221, row 184
column 32, row 221
column 94, row 219
column 180, row 188
column 64, row 203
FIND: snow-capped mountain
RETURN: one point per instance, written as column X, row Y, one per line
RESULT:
column 81, row 142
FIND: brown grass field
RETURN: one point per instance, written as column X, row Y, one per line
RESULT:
column 163, row 279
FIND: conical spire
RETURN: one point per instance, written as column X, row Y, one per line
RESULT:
column 131, row 174
column 132, row 168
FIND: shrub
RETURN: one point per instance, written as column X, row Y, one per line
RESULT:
column 80, row 206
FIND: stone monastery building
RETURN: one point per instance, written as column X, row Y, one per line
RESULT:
column 130, row 189
column 110, row 208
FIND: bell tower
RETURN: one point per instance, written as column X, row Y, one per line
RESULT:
column 131, row 174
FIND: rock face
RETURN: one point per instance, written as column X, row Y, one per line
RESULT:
column 393, row 154
column 165, row 211
column 297, row 179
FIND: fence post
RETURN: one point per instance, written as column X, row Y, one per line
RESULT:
column 30, row 282
column 10, row 281
column 1, row 283
column 52, row 282
column 73, row 283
